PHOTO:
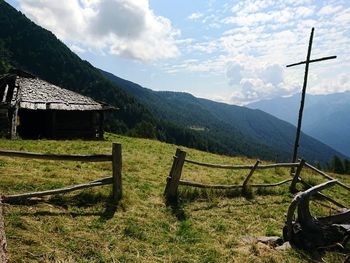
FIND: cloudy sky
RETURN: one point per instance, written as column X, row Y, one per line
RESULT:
column 230, row 51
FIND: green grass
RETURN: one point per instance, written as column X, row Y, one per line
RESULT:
column 206, row 226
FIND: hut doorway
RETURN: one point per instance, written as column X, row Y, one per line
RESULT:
column 33, row 124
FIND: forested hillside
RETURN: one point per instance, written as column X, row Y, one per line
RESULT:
column 236, row 129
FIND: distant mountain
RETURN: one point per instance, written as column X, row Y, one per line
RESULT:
column 326, row 117
column 239, row 130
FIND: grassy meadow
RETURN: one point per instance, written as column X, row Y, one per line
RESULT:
column 83, row 226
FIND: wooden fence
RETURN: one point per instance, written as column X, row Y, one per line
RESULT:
column 174, row 178
column 115, row 179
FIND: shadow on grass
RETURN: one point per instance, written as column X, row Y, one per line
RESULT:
column 83, row 199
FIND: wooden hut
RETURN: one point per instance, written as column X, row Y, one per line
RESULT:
column 33, row 108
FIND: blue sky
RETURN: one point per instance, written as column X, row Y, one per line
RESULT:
column 230, row 51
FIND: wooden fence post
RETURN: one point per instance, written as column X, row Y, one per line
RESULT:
column 3, row 244
column 296, row 177
column 245, row 183
column 117, row 171
column 174, row 176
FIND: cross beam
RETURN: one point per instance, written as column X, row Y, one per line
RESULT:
column 311, row 61
column 306, row 62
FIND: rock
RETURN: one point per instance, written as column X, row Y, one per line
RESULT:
column 284, row 247
column 273, row 241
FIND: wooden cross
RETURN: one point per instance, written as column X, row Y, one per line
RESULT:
column 306, row 62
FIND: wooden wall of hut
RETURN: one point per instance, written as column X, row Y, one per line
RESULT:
column 58, row 124
column 4, row 121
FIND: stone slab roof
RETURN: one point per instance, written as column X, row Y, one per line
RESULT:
column 36, row 94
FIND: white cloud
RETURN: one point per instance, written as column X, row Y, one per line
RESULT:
column 253, row 84
column 260, row 37
column 234, row 73
column 77, row 49
column 126, row 28
column 195, row 16
column 329, row 9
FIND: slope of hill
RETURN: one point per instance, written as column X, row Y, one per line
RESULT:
column 238, row 129
column 326, row 117
column 81, row 227
column 27, row 46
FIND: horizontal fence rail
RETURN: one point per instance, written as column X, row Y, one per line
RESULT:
column 115, row 179
column 67, row 189
column 173, row 181
column 243, row 167
column 58, row 157
column 327, row 176
column 219, row 186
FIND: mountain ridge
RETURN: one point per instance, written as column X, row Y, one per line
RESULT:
column 326, row 117
column 261, row 129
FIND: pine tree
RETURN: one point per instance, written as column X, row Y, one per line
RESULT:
column 347, row 166
column 337, row 165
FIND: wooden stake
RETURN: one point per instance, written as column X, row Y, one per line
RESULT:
column 117, row 171
column 173, row 184
column 245, row 183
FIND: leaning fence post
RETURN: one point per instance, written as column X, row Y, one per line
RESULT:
column 296, row 177
column 174, row 176
column 117, row 171
column 175, row 160
column 3, row 245
column 245, row 183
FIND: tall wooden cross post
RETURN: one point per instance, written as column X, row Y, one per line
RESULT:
column 306, row 62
